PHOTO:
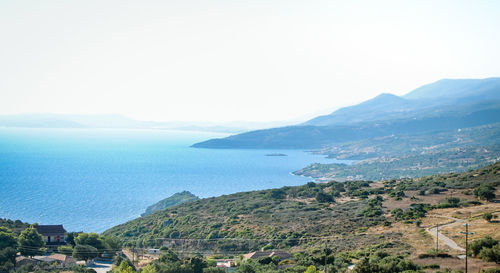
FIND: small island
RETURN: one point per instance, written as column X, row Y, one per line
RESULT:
column 276, row 154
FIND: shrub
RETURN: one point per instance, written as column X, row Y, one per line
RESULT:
column 486, row 242
column 66, row 250
column 324, row 198
column 491, row 254
column 453, row 200
column 276, row 194
column 485, row 192
column 487, row 216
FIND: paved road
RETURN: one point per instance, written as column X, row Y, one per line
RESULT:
column 449, row 242
column 101, row 266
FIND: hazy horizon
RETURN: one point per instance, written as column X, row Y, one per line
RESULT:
column 217, row 61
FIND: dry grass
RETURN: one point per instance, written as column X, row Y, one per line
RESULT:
column 478, row 225
column 376, row 185
column 344, row 199
column 455, row 264
column 433, row 199
column 141, row 259
column 422, row 242
column 416, row 237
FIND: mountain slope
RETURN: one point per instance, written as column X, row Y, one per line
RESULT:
column 384, row 106
column 443, row 105
column 417, row 103
column 310, row 137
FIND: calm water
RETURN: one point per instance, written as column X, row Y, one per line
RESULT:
column 91, row 180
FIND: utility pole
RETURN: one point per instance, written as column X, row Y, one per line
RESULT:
column 326, row 270
column 437, row 238
column 327, row 252
column 467, row 233
column 133, row 255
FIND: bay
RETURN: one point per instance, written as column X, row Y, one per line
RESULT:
column 93, row 179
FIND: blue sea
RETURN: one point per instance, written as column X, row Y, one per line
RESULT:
column 93, row 179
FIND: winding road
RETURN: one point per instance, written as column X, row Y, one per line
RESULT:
column 447, row 241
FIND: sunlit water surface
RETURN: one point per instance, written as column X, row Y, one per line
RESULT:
column 94, row 179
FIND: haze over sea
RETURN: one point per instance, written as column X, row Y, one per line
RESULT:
column 93, row 179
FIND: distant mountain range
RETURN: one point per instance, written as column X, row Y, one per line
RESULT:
column 116, row 121
column 445, row 105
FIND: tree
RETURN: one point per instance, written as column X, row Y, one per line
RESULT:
column 169, row 257
column 85, row 252
column 363, row 266
column 7, row 259
column 8, row 244
column 324, row 198
column 197, row 264
column 149, row 269
column 30, row 242
column 491, row 254
column 124, row 268
column 7, row 238
column 70, row 237
column 311, row 269
column 276, row 194
column 245, row 268
column 486, row 242
column 112, row 244
column 91, row 239
column 485, row 192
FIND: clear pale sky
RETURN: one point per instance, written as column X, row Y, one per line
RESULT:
column 226, row 60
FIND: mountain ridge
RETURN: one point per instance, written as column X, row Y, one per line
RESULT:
column 379, row 116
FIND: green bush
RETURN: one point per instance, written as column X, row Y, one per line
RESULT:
column 485, row 192
column 324, row 198
column 485, row 242
column 487, row 216
column 491, row 254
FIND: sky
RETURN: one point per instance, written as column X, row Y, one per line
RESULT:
column 233, row 60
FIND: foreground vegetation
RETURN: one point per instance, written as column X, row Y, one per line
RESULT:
column 292, row 217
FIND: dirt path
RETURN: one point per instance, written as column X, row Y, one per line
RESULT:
column 447, row 241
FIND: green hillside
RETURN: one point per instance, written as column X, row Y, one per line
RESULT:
column 291, row 217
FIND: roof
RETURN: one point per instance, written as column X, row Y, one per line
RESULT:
column 44, row 259
column 21, row 260
column 59, row 257
column 50, row 229
column 62, row 258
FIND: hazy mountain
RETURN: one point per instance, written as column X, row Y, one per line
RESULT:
column 443, row 105
column 384, row 106
column 38, row 121
column 425, row 100
column 47, row 120
column 458, row 88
